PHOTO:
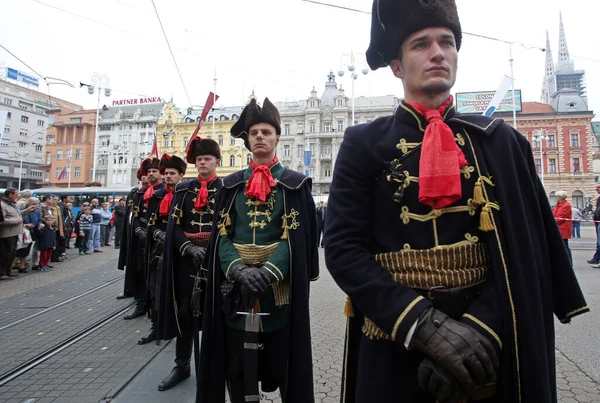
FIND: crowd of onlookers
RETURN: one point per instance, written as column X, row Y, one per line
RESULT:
column 36, row 232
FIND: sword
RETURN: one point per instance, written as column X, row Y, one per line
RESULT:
column 251, row 348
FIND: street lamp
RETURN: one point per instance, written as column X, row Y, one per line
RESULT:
column 351, row 66
column 21, row 154
column 102, row 82
column 539, row 136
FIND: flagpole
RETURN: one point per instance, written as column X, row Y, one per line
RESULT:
column 70, row 165
column 214, row 101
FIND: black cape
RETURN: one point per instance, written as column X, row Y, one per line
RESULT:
column 529, row 261
column 168, row 325
column 153, row 249
column 134, row 276
column 125, row 241
column 304, row 267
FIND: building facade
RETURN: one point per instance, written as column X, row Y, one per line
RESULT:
column 70, row 144
column 24, row 137
column 125, row 137
column 312, row 129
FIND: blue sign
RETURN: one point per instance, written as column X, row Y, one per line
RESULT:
column 22, row 77
column 307, row 155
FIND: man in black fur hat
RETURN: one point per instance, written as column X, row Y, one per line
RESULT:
column 139, row 227
column 452, row 280
column 172, row 169
column 256, row 323
column 187, row 234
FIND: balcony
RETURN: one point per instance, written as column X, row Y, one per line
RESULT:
column 326, row 157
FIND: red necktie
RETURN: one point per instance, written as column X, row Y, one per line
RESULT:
column 165, row 203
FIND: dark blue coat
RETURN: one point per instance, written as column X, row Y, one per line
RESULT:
column 529, row 280
column 46, row 238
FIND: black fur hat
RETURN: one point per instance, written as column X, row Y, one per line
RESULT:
column 143, row 169
column 253, row 114
column 172, row 161
column 199, row 146
column 393, row 21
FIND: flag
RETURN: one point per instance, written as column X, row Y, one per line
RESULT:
column 154, row 148
column 307, row 157
column 210, row 101
column 65, row 170
column 498, row 96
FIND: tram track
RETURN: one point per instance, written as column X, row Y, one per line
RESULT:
column 56, row 349
column 67, row 301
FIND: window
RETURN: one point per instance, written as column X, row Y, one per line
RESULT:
column 59, row 155
column 48, row 158
column 538, row 165
column 8, row 101
column 574, row 139
column 186, row 140
column 23, row 133
column 22, row 144
column 172, row 143
column 327, row 149
column 248, row 159
column 312, row 104
column 49, row 139
column 6, row 129
column 327, row 171
column 8, row 115
column 166, row 142
column 311, row 171
column 311, row 126
column 552, row 141
column 143, row 138
column 577, row 199
column 552, row 165
column 24, row 118
column 576, row 167
column 38, row 148
column 78, row 154
column 77, row 172
column 340, row 125
column 220, row 140
column 232, row 161
column 300, row 150
column 221, row 162
column 327, row 127
column 286, row 129
column 23, row 105
column 286, row 150
column 312, row 147
column 40, row 123
column 58, row 172
column 232, row 141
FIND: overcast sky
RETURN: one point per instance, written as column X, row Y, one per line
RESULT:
column 279, row 48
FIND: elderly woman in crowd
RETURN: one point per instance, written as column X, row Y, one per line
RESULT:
column 23, row 200
column 104, row 228
column 563, row 214
column 31, row 222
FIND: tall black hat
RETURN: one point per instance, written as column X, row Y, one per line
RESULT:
column 253, row 114
column 393, row 21
column 144, row 167
column 199, row 146
column 172, row 161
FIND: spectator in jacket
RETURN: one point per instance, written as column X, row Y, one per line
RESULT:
column 596, row 258
column 57, row 254
column 119, row 218
column 104, row 228
column 10, row 229
column 31, row 222
column 85, row 226
column 69, row 224
column 94, row 238
column 563, row 214
column 47, row 239
column 79, row 239
column 576, row 227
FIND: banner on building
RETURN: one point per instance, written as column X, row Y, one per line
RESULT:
column 478, row 102
column 21, row 77
column 3, row 115
column 307, row 157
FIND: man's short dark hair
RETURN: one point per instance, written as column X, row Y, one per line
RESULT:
column 63, row 197
column 10, row 191
column 45, row 197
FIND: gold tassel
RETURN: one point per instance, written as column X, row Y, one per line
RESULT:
column 478, row 193
column 348, row 308
column 485, row 222
column 228, row 221
column 285, row 233
column 223, row 232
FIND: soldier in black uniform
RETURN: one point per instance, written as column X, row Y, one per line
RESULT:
column 172, row 168
column 137, row 236
column 188, row 231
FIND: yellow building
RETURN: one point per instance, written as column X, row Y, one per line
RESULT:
column 174, row 130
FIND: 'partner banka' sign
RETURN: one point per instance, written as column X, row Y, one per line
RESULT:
column 136, row 101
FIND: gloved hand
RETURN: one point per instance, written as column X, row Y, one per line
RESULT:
column 160, row 236
column 438, row 381
column 459, row 348
column 256, row 279
column 141, row 233
column 196, row 253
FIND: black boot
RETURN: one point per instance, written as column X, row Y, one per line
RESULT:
column 139, row 310
column 183, row 354
column 150, row 336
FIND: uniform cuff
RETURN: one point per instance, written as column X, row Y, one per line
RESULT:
column 408, row 317
column 482, row 328
column 274, row 270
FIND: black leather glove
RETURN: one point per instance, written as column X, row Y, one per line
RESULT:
column 438, row 381
column 256, row 279
column 160, row 236
column 197, row 254
column 459, row 348
column 141, row 233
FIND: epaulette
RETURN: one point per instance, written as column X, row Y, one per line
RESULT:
column 293, row 180
column 160, row 193
column 233, row 180
column 484, row 124
column 185, row 186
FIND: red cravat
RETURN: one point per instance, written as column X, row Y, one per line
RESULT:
column 261, row 181
column 149, row 192
column 202, row 197
column 165, row 203
column 441, row 160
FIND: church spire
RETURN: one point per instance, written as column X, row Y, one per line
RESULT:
column 563, row 50
column 549, row 61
